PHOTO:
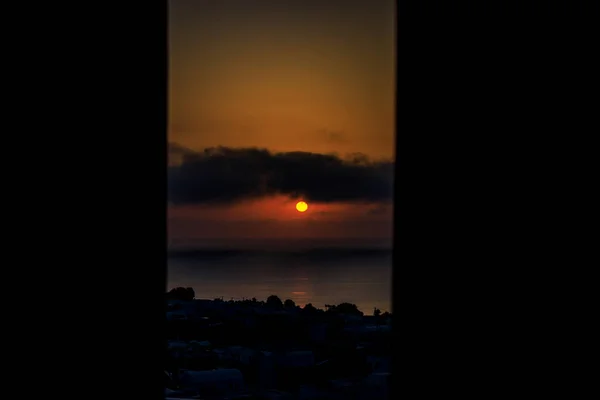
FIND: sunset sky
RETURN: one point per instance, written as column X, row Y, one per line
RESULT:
column 286, row 76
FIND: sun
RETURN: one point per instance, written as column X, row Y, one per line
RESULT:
column 301, row 206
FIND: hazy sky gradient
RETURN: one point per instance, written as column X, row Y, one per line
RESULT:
column 286, row 75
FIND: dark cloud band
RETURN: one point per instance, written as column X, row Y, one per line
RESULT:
column 224, row 174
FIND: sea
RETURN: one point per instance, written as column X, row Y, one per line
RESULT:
column 309, row 274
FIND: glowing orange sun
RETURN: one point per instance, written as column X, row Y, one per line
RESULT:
column 301, row 206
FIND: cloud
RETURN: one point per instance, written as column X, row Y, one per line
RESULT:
column 379, row 210
column 336, row 137
column 178, row 150
column 224, row 175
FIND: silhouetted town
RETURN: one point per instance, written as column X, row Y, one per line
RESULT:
column 274, row 349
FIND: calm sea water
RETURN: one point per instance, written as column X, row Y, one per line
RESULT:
column 329, row 277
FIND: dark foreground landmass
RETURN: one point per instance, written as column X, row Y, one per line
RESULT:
column 274, row 350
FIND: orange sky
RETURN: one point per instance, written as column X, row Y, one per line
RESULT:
column 275, row 217
column 285, row 75
column 305, row 75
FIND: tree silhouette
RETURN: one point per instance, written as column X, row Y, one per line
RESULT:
column 181, row 293
column 274, row 301
column 344, row 308
column 309, row 309
column 377, row 312
column 289, row 303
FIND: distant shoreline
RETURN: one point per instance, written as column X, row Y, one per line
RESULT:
column 322, row 251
